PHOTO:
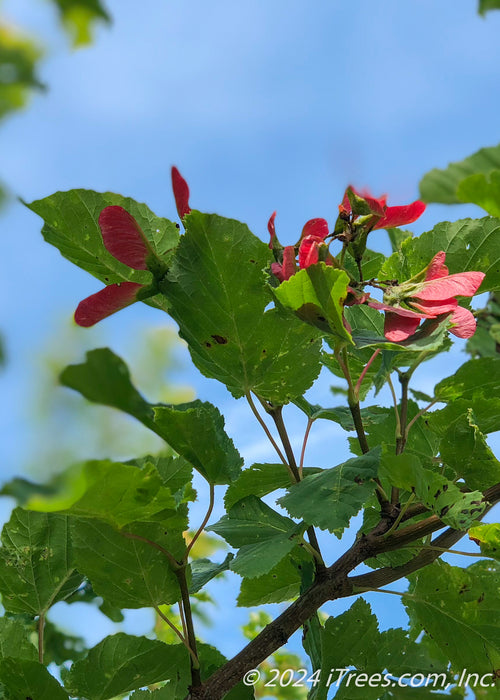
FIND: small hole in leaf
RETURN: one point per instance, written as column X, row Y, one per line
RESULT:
column 208, row 345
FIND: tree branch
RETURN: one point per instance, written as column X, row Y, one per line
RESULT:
column 335, row 583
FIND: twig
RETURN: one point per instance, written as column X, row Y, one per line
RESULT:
column 277, row 415
column 265, row 428
column 202, row 526
column 191, row 637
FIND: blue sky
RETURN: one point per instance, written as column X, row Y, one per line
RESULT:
column 262, row 105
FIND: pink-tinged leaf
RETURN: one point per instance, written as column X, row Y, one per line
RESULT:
column 181, row 193
column 399, row 216
column 123, row 237
column 463, row 284
column 106, row 302
column 308, row 251
column 437, row 268
column 345, row 207
column 405, row 313
column 289, row 265
column 315, row 227
column 398, row 328
column 464, row 323
column 272, row 229
column 277, row 270
column 434, row 308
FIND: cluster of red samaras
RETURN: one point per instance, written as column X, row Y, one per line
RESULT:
column 124, row 239
column 432, row 293
column 429, row 295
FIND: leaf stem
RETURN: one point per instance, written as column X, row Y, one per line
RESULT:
column 401, row 515
column 310, row 421
column 363, row 373
column 420, row 414
column 203, row 524
column 265, row 428
column 355, row 409
column 173, row 627
column 41, row 628
column 395, row 404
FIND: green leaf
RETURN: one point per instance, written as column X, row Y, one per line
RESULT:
column 456, row 509
column 257, row 480
column 218, row 294
column 487, row 5
column 476, row 379
column 330, row 499
column 487, row 536
column 71, row 225
column 370, row 265
column 421, row 442
column 459, row 609
column 397, row 236
column 127, row 572
column 79, row 17
column 104, row 378
column 481, row 190
column 29, row 679
column 282, row 583
column 316, row 295
column 441, row 185
column 251, row 521
column 204, row 570
column 122, row 663
column 353, row 639
column 14, row 640
column 486, row 411
column 175, row 472
column 110, row 491
column 469, row 244
column 195, row 430
column 37, row 568
column 465, row 450
column 341, row 414
column 254, row 560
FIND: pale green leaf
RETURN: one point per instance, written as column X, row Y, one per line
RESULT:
column 37, row 567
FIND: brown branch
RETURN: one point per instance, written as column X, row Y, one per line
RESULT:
column 332, row 584
column 277, row 415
